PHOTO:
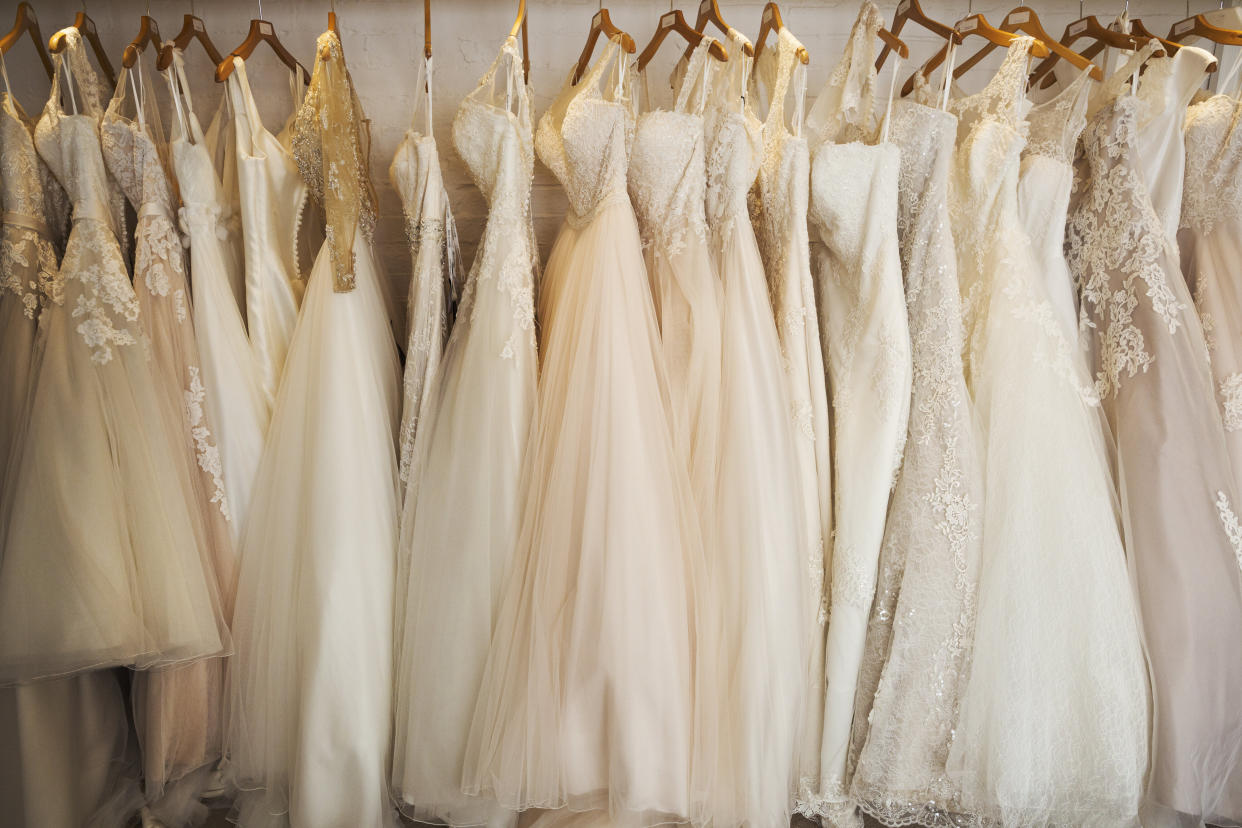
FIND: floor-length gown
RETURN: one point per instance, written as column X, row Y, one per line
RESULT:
column 467, row 461
column 310, row 683
column 1210, row 241
column 1178, row 504
column 762, row 556
column 236, row 406
column 102, row 564
column 435, row 257
column 866, row 343
column 273, row 197
column 587, row 696
column 779, row 205
column 922, row 621
column 1053, row 722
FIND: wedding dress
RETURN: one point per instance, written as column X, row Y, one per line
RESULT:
column 236, row 406
column 435, row 256
column 1053, row 720
column 922, row 621
column 310, row 689
column 177, row 711
column 779, row 204
column 102, row 564
column 273, row 197
column 866, row 342
column 587, row 695
column 1182, row 534
column 467, row 460
column 754, row 676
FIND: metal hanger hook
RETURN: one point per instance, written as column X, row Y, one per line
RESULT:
column 261, row 9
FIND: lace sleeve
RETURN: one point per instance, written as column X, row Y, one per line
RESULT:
column 331, row 145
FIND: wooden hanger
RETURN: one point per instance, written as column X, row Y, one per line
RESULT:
column 1170, row 47
column 977, row 25
column 674, row 22
column 1198, row 26
column 1024, row 19
column 709, row 12
column 261, row 31
column 1089, row 27
column 519, row 23
column 601, row 23
column 771, row 22
column 911, row 10
column 148, row 34
column 27, row 23
column 427, row 29
column 86, row 26
column 192, row 29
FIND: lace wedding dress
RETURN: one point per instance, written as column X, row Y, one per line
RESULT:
column 866, row 342
column 922, row 621
column 236, row 406
column 467, row 460
column 755, row 681
column 177, row 711
column 273, row 197
column 587, row 697
column 310, row 690
column 102, row 563
column 1182, row 534
column 779, row 204
column 435, row 258
column 1053, row 720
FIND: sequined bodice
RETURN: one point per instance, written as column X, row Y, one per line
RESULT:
column 584, row 138
column 734, row 138
column 1213, row 190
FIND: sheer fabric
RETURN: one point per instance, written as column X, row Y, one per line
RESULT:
column 467, row 461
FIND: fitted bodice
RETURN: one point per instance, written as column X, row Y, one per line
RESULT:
column 21, row 185
column 132, row 156
column 734, row 138
column 1054, row 125
column 925, row 136
column 1213, row 189
column 667, row 176
column 584, row 138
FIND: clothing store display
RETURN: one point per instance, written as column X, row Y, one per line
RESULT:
column 466, row 458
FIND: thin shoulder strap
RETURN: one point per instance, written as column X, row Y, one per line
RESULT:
column 8, row 90
column 245, row 109
column 888, row 107
column 1113, row 83
column 695, row 79
column 422, row 99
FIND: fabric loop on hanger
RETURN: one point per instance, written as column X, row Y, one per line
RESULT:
column 947, row 84
column 5, row 73
column 888, row 109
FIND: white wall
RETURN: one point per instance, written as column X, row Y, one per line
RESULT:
column 383, row 39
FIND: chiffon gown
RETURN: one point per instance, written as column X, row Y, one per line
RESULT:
column 467, row 460
column 236, row 406
column 273, row 197
column 866, row 342
column 435, row 258
column 177, row 711
column 755, row 684
column 310, row 684
column 102, row 563
column 779, row 204
column 922, row 621
column 587, row 696
column 1053, row 721
column 1178, row 498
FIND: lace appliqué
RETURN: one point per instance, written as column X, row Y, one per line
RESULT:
column 106, row 301
column 1213, row 190
column 28, row 269
column 1231, row 401
column 206, row 452
column 1229, row 521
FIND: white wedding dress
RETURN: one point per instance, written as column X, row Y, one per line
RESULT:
column 467, row 460
column 311, row 680
column 866, row 343
column 1053, row 721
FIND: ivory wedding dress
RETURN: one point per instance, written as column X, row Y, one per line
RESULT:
column 273, row 197
column 922, row 622
column 236, row 406
column 102, row 564
column 467, row 460
column 779, row 205
column 1053, row 720
column 866, row 342
column 754, row 685
column 435, row 257
column 310, row 690
column 1182, row 533
column 587, row 698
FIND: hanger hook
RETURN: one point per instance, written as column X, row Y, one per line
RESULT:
column 261, row 9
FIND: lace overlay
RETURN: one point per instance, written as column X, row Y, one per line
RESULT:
column 331, row 144
column 28, row 265
column 205, row 450
column 104, row 303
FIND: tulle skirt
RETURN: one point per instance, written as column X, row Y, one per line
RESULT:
column 102, row 562
column 587, row 699
column 310, row 683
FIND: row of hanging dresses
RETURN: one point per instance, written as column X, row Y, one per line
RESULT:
column 311, row 681
column 1150, row 359
column 468, row 410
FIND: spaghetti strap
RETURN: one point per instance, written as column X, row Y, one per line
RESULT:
column 245, row 112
